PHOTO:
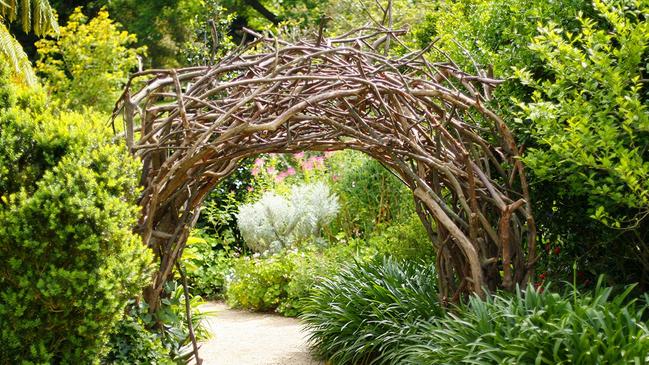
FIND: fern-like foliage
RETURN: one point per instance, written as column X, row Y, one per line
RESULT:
column 13, row 51
column 34, row 16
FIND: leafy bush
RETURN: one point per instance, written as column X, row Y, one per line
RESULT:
column 71, row 260
column 132, row 343
column 158, row 338
column 33, row 140
column 275, row 222
column 363, row 314
column 370, row 195
column 310, row 267
column 312, row 264
column 537, row 327
column 88, row 64
column 497, row 33
column 406, row 239
column 592, row 123
column 259, row 283
column 592, row 116
column 283, row 280
column 206, row 265
column 575, row 68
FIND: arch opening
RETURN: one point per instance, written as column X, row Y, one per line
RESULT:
column 426, row 122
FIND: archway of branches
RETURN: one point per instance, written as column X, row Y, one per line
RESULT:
column 426, row 122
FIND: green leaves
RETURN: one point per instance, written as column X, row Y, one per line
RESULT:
column 365, row 313
column 89, row 63
column 206, row 266
column 13, row 51
column 533, row 327
column 388, row 313
column 590, row 115
column 33, row 15
column 260, row 284
column 66, row 231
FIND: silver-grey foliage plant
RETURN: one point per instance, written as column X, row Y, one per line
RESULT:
column 275, row 221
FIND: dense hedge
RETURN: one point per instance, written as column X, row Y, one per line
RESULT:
column 70, row 259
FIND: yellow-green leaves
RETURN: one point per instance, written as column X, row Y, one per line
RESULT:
column 33, row 15
column 89, row 63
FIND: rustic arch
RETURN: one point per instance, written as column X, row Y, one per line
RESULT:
column 424, row 121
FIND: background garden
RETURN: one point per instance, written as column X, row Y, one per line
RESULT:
column 331, row 237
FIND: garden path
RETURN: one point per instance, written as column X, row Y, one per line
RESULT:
column 246, row 338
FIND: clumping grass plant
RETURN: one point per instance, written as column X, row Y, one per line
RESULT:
column 364, row 314
column 388, row 313
column 537, row 327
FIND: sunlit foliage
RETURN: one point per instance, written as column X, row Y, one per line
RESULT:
column 89, row 63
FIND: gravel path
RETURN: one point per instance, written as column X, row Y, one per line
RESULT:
column 245, row 338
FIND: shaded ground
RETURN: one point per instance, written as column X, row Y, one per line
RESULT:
column 244, row 338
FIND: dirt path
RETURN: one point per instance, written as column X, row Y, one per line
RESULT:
column 244, row 338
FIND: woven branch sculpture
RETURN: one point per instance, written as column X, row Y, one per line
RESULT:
column 426, row 122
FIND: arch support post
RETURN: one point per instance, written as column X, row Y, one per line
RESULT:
column 468, row 250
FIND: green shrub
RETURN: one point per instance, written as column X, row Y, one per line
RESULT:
column 536, row 327
column 132, row 343
column 363, row 314
column 259, row 283
column 70, row 258
column 88, row 64
column 369, row 194
column 282, row 281
column 591, row 118
column 33, row 140
column 309, row 270
column 497, row 33
column 206, row 265
column 576, row 69
column 159, row 338
column 405, row 239
column 312, row 264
